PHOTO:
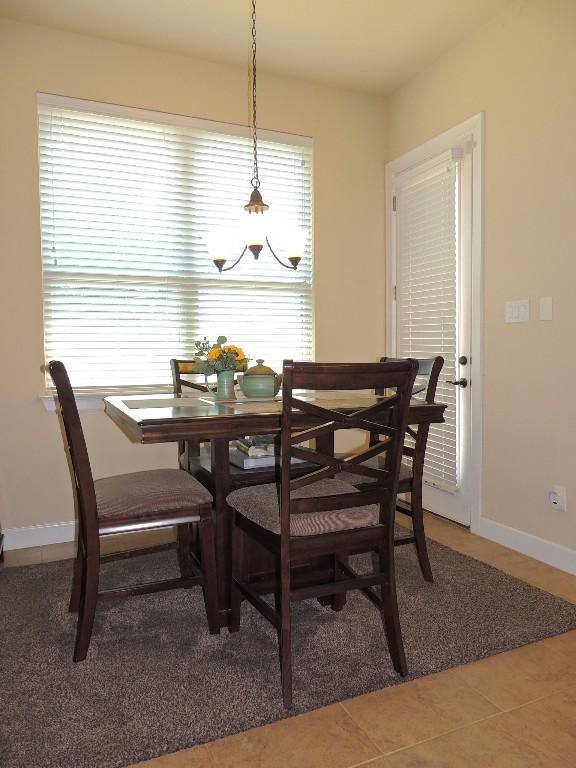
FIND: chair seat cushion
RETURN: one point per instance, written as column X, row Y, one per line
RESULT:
column 354, row 479
column 145, row 494
column 260, row 504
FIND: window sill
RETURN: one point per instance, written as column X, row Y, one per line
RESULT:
column 86, row 401
column 83, row 402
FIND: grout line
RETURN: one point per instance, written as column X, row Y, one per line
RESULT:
column 366, row 762
column 360, row 728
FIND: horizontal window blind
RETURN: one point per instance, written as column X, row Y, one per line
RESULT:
column 127, row 208
column 427, row 274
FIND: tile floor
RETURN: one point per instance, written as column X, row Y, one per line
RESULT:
column 514, row 710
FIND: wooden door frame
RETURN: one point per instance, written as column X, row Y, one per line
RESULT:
column 470, row 133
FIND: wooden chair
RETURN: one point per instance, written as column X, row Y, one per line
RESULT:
column 130, row 503
column 318, row 516
column 187, row 449
column 189, row 455
column 412, row 467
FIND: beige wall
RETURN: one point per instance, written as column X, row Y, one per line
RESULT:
column 349, row 138
column 521, row 71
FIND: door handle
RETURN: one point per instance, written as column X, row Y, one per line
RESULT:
column 458, row 383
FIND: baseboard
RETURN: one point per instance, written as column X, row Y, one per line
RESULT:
column 540, row 549
column 39, row 535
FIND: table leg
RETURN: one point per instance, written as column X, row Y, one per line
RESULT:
column 220, row 466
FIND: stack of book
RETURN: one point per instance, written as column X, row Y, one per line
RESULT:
column 259, row 451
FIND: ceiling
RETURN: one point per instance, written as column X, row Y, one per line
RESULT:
column 372, row 45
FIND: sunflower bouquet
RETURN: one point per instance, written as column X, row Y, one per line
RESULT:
column 218, row 357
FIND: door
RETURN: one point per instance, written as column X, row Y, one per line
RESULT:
column 432, row 270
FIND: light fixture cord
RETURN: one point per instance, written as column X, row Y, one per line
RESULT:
column 255, row 180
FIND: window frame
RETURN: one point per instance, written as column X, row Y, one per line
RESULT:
column 91, row 396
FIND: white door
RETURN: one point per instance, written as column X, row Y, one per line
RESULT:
column 432, row 269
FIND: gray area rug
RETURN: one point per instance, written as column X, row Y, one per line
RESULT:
column 155, row 681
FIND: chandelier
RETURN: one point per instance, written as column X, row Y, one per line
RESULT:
column 256, row 204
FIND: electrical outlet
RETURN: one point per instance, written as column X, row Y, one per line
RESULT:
column 558, row 499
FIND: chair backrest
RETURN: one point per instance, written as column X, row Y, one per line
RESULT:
column 180, row 367
column 303, row 420
column 80, row 463
column 429, row 370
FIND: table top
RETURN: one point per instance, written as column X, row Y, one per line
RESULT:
column 166, row 418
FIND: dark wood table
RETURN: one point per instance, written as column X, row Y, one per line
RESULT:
column 166, row 418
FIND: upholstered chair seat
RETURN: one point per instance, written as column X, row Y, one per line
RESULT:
column 260, row 504
column 147, row 494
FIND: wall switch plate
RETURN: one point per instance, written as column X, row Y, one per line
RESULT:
column 546, row 308
column 517, row 311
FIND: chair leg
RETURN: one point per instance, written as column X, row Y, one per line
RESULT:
column 185, row 542
column 418, row 528
column 87, row 608
column 238, row 574
column 285, row 638
column 74, row 604
column 210, row 585
column 389, row 611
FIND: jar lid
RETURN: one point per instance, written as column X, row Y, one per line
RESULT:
column 260, row 369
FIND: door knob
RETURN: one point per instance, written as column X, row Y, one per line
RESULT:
column 458, row 383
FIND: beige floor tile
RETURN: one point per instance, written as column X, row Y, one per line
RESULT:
column 547, row 578
column 548, row 725
column 325, row 738
column 53, row 552
column 564, row 644
column 406, row 714
column 520, row 676
column 196, row 757
column 27, row 556
column 483, row 745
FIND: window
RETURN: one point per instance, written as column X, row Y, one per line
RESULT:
column 427, row 293
column 128, row 199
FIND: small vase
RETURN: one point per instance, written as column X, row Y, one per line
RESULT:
column 225, row 386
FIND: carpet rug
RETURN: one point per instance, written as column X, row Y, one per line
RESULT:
column 155, row 681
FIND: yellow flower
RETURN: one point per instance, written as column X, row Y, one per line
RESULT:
column 214, row 353
column 237, row 351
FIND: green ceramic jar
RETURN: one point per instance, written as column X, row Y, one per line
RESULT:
column 260, row 381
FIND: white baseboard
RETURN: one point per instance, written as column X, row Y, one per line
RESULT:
column 540, row 549
column 546, row 551
column 39, row 535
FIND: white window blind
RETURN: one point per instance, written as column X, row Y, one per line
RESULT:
column 126, row 205
column 427, row 275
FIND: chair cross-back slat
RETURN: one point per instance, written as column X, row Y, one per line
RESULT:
column 384, row 416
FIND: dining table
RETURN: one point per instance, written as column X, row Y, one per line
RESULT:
column 198, row 416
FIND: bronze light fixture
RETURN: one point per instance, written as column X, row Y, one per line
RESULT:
column 256, row 204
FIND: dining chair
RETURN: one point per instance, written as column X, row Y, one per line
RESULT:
column 187, row 449
column 412, row 466
column 315, row 515
column 131, row 503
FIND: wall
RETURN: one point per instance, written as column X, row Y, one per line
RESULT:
column 349, row 136
column 520, row 70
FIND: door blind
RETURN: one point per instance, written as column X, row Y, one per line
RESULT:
column 127, row 208
column 427, row 296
